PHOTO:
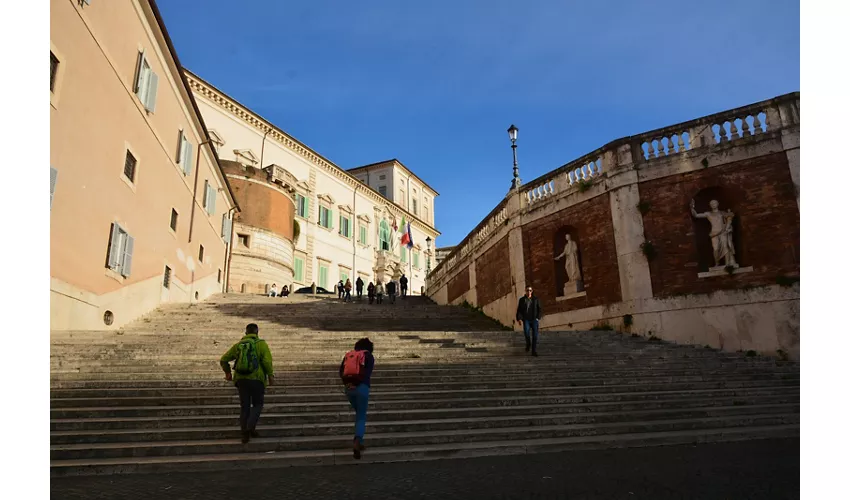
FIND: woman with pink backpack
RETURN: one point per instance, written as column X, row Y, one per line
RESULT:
column 356, row 373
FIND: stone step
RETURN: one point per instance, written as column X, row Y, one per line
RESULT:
column 292, row 384
column 251, row 461
column 299, row 418
column 320, row 393
column 495, row 398
column 408, row 438
column 272, row 430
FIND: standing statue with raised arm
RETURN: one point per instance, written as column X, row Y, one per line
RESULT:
column 721, row 233
column 570, row 255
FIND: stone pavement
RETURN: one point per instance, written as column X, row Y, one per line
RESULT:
column 759, row 469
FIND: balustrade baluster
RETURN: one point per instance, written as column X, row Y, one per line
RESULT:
column 745, row 127
column 681, row 141
column 756, row 124
column 733, row 130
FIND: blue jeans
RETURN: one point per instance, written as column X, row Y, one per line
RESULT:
column 531, row 327
column 359, row 399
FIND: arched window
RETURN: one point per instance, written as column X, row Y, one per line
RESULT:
column 385, row 235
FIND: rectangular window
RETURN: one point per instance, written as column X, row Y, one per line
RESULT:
column 243, row 239
column 226, row 228
column 130, row 167
column 415, row 212
column 383, row 191
column 54, row 65
column 166, row 278
column 146, row 82
column 382, row 177
column 173, row 220
column 219, row 275
column 120, row 252
column 344, row 226
column 401, row 198
column 301, row 206
column 53, row 175
column 325, row 217
column 299, row 269
column 201, row 253
column 425, row 213
column 363, row 233
column 184, row 153
column 209, row 197
column 403, row 255
column 416, row 260
column 343, row 276
column 323, row 276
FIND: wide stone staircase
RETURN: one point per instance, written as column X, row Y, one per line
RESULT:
column 448, row 382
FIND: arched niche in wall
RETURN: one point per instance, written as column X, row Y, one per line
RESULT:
column 559, row 242
column 727, row 199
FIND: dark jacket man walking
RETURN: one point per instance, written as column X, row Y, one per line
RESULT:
column 528, row 315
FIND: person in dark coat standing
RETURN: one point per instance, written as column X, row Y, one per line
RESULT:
column 359, row 286
column 528, row 315
column 370, row 291
column 403, row 283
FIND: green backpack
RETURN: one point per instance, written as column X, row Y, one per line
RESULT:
column 247, row 359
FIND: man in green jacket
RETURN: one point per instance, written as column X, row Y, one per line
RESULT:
column 253, row 364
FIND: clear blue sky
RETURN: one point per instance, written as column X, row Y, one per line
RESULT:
column 436, row 84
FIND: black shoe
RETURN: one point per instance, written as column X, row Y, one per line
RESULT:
column 357, row 448
column 534, row 353
column 527, row 347
column 246, row 436
column 255, row 434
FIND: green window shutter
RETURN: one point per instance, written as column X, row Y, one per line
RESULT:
column 331, row 219
column 299, row 269
column 53, row 174
column 127, row 260
column 187, row 159
column 213, row 192
column 416, row 259
column 306, row 207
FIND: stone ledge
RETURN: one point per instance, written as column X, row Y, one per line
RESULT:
column 571, row 296
column 723, row 272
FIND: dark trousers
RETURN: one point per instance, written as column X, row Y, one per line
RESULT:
column 371, row 299
column 530, row 327
column 251, row 396
column 403, row 292
column 359, row 293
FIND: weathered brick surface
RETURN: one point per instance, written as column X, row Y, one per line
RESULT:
column 493, row 273
column 261, row 205
column 589, row 224
column 767, row 225
column 458, row 285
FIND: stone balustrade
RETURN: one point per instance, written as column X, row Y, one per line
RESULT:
column 713, row 131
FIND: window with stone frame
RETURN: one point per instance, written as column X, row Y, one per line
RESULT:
column 302, row 206
column 363, row 236
column 384, row 235
column 325, row 217
column 344, row 225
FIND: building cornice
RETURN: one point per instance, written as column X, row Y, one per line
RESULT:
column 394, row 162
column 227, row 103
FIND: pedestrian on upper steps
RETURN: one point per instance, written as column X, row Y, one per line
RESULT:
column 528, row 313
column 356, row 374
column 359, row 285
column 273, row 291
column 403, row 283
column 370, row 291
column 391, row 291
column 254, row 371
column 340, row 289
column 347, row 291
column 285, row 291
column 379, row 292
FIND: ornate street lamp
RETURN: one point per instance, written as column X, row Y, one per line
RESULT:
column 512, row 132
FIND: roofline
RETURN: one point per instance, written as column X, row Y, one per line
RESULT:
column 355, row 180
column 195, row 108
column 396, row 160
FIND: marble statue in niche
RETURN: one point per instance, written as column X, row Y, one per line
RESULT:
column 721, row 234
column 573, row 282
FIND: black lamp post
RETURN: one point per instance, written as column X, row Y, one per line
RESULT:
column 512, row 132
column 428, row 256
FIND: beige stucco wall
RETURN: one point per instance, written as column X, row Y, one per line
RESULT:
column 98, row 118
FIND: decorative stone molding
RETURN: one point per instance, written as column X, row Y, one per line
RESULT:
column 365, row 218
column 345, row 209
column 246, row 157
column 324, row 197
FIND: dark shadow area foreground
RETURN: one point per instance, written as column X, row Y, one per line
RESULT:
column 764, row 469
